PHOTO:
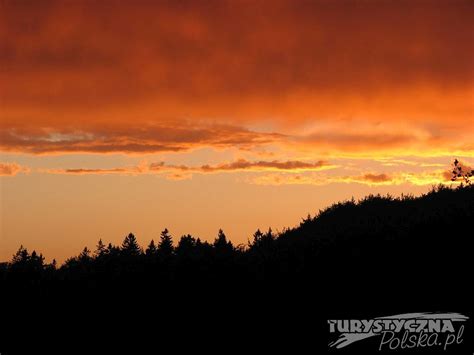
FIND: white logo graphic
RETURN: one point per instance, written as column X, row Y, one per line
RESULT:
column 402, row 331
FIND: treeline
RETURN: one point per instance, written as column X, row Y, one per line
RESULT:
column 187, row 258
column 375, row 229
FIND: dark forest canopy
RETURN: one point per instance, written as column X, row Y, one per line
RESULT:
column 377, row 256
column 381, row 227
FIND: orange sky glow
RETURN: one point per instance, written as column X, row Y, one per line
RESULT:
column 121, row 116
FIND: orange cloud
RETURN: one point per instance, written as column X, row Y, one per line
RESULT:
column 277, row 173
column 419, row 179
column 358, row 141
column 201, row 49
column 11, row 169
column 243, row 164
column 118, row 139
column 179, row 172
column 125, row 171
column 147, row 77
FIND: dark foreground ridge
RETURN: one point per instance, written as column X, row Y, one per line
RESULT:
column 374, row 257
column 377, row 232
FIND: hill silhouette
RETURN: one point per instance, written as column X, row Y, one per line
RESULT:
column 381, row 254
column 375, row 229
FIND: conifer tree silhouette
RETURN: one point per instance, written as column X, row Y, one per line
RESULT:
column 165, row 247
column 21, row 256
column 130, row 246
column 151, row 249
column 221, row 244
column 101, row 249
column 257, row 239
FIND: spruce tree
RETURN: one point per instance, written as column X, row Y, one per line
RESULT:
column 130, row 246
column 165, row 247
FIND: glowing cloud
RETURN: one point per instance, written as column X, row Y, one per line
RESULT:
column 12, row 169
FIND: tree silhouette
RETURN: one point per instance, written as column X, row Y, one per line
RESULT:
column 101, row 249
column 85, row 255
column 151, row 249
column 21, row 256
column 165, row 247
column 268, row 238
column 26, row 266
column 257, row 238
column 221, row 244
column 186, row 245
column 261, row 240
column 461, row 172
column 36, row 259
column 112, row 249
column 130, row 246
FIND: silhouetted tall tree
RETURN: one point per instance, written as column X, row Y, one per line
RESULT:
column 101, row 249
column 21, row 256
column 130, row 246
column 221, row 244
column 165, row 247
column 257, row 238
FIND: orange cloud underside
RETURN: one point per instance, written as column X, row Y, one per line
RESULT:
column 147, row 77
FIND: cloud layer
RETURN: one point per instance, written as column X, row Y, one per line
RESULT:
column 178, row 171
column 428, row 178
column 150, row 138
column 146, row 77
column 275, row 172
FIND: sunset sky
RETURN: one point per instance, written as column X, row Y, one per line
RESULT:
column 133, row 116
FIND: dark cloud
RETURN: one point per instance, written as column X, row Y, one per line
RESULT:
column 178, row 171
column 143, row 139
column 96, row 171
column 377, row 178
column 243, row 164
